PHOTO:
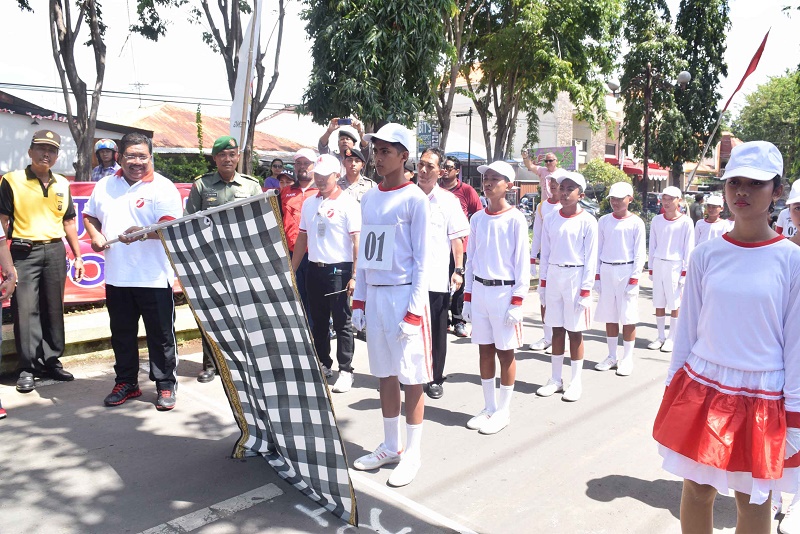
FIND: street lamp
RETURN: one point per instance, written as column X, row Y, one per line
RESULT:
column 469, row 143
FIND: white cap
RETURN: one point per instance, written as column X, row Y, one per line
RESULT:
column 394, row 133
column 794, row 195
column 349, row 131
column 672, row 191
column 757, row 160
column 500, row 167
column 620, row 190
column 305, row 153
column 556, row 173
column 575, row 177
column 327, row 165
column 715, row 200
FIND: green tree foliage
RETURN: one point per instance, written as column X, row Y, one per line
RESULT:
column 602, row 176
column 772, row 113
column 180, row 168
column 527, row 52
column 374, row 59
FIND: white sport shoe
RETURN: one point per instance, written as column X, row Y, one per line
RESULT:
column 607, row 364
column 327, row 372
column 497, row 422
column 478, row 421
column 542, row 344
column 625, row 366
column 377, row 458
column 549, row 350
column 790, row 524
column 405, row 471
column 655, row 345
column 573, row 392
column 343, row 383
column 667, row 346
column 550, row 388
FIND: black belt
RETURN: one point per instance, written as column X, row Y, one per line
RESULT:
column 617, row 263
column 390, row 285
column 340, row 264
column 494, row 282
column 46, row 241
column 569, row 265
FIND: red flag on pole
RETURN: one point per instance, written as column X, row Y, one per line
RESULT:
column 750, row 69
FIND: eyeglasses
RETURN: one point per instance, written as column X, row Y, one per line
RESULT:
column 135, row 157
column 549, row 160
column 277, row 166
column 449, row 167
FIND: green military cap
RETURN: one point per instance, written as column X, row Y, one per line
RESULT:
column 223, row 143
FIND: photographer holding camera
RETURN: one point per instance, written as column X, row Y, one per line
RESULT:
column 351, row 135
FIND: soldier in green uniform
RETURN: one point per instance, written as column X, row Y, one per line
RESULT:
column 215, row 189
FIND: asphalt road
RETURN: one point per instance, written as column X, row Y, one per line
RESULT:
column 68, row 464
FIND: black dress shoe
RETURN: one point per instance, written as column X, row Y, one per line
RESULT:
column 434, row 390
column 57, row 373
column 206, row 376
column 25, row 384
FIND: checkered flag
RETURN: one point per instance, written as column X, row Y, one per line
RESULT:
column 235, row 272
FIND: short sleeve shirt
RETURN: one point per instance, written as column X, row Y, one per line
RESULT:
column 330, row 224
column 35, row 212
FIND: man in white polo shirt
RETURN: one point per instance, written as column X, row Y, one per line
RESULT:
column 138, row 273
column 328, row 230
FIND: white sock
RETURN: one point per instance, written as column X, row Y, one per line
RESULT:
column 627, row 349
column 391, row 433
column 505, row 397
column 558, row 366
column 490, row 404
column 548, row 334
column 660, row 322
column 673, row 323
column 577, row 367
column 413, row 441
column 612, row 346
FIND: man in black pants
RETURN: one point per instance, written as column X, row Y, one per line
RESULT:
column 138, row 274
column 36, row 211
column 329, row 226
column 447, row 227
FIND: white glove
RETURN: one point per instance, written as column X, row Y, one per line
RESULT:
column 650, row 274
column 406, row 331
column 583, row 302
column 792, row 442
column 513, row 315
column 358, row 320
column 597, row 286
column 466, row 312
column 541, row 290
column 681, row 281
column 534, row 270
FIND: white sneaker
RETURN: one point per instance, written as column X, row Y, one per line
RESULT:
column 655, row 345
column 497, row 422
column 550, row 388
column 542, row 344
column 573, row 392
column 625, row 366
column 790, row 524
column 478, row 421
column 405, row 471
column 343, row 383
column 549, row 350
column 607, row 364
column 327, row 372
column 667, row 346
column 379, row 457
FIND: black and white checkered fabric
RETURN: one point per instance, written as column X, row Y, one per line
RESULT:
column 234, row 269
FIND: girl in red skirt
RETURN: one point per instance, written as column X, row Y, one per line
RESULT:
column 731, row 410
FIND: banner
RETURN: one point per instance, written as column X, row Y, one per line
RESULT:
column 242, row 98
column 567, row 156
column 235, row 272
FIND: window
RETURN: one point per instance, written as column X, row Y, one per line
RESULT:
column 582, row 144
column 611, row 149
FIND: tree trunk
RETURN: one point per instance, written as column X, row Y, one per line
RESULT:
column 676, row 173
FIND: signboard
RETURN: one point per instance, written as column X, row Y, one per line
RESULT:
column 427, row 136
column 567, row 156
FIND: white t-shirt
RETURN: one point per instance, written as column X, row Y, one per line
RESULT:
column 542, row 210
column 118, row 206
column 404, row 212
column 621, row 241
column 671, row 240
column 784, row 224
column 329, row 225
column 447, row 222
column 704, row 230
column 570, row 241
column 741, row 309
column 497, row 249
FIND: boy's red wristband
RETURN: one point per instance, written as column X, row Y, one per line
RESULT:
column 683, row 273
column 412, row 318
column 597, row 276
column 467, row 297
column 358, row 305
column 516, row 301
column 585, row 293
column 543, row 283
column 633, row 281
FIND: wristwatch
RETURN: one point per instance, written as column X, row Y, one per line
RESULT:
column 459, row 270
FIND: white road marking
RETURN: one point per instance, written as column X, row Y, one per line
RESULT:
column 313, row 514
column 215, row 512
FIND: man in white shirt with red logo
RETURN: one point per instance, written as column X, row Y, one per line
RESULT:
column 138, row 274
column 328, row 230
column 391, row 300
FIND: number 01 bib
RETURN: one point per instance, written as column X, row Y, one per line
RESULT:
column 376, row 246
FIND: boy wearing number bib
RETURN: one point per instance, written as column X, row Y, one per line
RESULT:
column 391, row 300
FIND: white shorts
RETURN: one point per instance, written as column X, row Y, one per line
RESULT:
column 561, row 299
column 489, row 306
column 614, row 304
column 666, row 293
column 409, row 360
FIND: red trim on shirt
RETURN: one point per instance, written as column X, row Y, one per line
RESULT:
column 413, row 319
column 569, row 216
column 334, row 195
column 166, row 218
column 516, row 301
column 585, row 293
column 552, row 201
column 779, row 229
column 793, row 419
column 146, row 178
column 597, row 276
column 497, row 212
column 675, row 219
column 358, row 305
column 633, row 281
column 543, row 283
column 726, row 237
column 467, row 297
column 621, row 218
column 381, row 188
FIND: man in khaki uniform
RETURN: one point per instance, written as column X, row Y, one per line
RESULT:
column 215, row 189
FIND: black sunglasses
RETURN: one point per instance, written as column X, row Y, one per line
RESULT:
column 549, row 160
column 278, row 165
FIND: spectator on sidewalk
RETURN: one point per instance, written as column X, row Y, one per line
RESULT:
column 353, row 182
column 7, row 285
column 106, row 152
column 543, row 171
column 275, row 169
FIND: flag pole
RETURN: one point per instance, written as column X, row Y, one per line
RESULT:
column 247, row 100
column 197, row 215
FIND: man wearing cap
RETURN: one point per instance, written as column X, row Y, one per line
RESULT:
column 470, row 204
column 36, row 211
column 350, row 136
column 543, row 171
column 139, row 275
column 329, row 226
column 215, row 189
column 353, row 182
column 292, row 199
column 713, row 225
column 106, row 152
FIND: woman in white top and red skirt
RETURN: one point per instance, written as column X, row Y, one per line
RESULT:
column 730, row 416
